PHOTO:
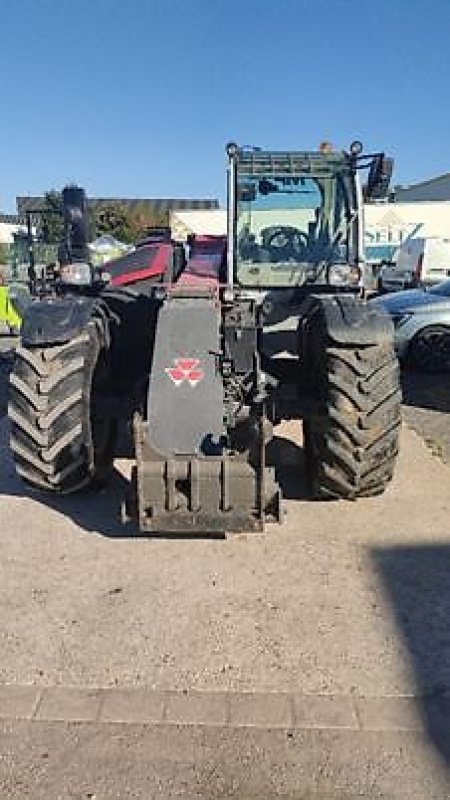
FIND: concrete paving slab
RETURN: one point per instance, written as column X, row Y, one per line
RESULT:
column 67, row 703
column 197, row 708
column 324, row 711
column 274, row 710
column 18, row 702
column 132, row 706
column 268, row 710
column 389, row 713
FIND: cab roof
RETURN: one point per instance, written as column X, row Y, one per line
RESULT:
column 261, row 163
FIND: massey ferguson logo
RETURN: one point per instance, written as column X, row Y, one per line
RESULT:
column 185, row 369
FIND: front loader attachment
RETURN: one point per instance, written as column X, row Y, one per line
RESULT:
column 189, row 476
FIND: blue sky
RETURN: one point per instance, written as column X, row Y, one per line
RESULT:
column 138, row 97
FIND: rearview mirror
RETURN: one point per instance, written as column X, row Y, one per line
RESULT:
column 379, row 178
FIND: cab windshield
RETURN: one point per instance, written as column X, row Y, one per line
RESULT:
column 289, row 227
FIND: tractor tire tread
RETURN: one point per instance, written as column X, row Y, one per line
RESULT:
column 50, row 413
column 352, row 445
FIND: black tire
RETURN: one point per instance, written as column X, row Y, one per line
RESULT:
column 430, row 349
column 60, row 440
column 352, row 444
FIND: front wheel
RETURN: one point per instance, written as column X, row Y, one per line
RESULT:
column 430, row 349
column 351, row 444
column 60, row 439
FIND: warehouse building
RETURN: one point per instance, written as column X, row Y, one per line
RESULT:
column 431, row 191
column 136, row 205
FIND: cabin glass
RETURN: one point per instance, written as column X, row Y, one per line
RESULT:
column 289, row 226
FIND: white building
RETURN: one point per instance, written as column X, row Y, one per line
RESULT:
column 9, row 225
column 387, row 225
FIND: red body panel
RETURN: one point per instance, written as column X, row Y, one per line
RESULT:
column 207, row 261
column 204, row 267
column 153, row 261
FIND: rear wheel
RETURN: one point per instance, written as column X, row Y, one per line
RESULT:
column 352, row 444
column 60, row 438
column 430, row 349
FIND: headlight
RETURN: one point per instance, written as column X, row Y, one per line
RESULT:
column 77, row 274
column 344, row 275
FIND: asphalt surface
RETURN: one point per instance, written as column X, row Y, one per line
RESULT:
column 426, row 409
column 312, row 661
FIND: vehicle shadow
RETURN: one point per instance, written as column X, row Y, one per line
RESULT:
column 95, row 511
column 417, row 582
column 288, row 460
column 431, row 392
column 103, row 511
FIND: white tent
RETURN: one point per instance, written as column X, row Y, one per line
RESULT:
column 107, row 247
column 206, row 222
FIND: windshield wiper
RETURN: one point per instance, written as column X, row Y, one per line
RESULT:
column 341, row 231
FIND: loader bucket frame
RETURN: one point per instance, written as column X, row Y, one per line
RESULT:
column 187, row 478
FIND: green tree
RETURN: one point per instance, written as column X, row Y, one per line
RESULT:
column 4, row 253
column 50, row 222
column 125, row 224
column 115, row 219
column 144, row 221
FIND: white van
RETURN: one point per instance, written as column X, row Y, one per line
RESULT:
column 421, row 261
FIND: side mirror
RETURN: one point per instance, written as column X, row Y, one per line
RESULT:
column 246, row 192
column 379, row 178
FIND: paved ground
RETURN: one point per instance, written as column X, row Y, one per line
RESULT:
column 426, row 408
column 309, row 662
